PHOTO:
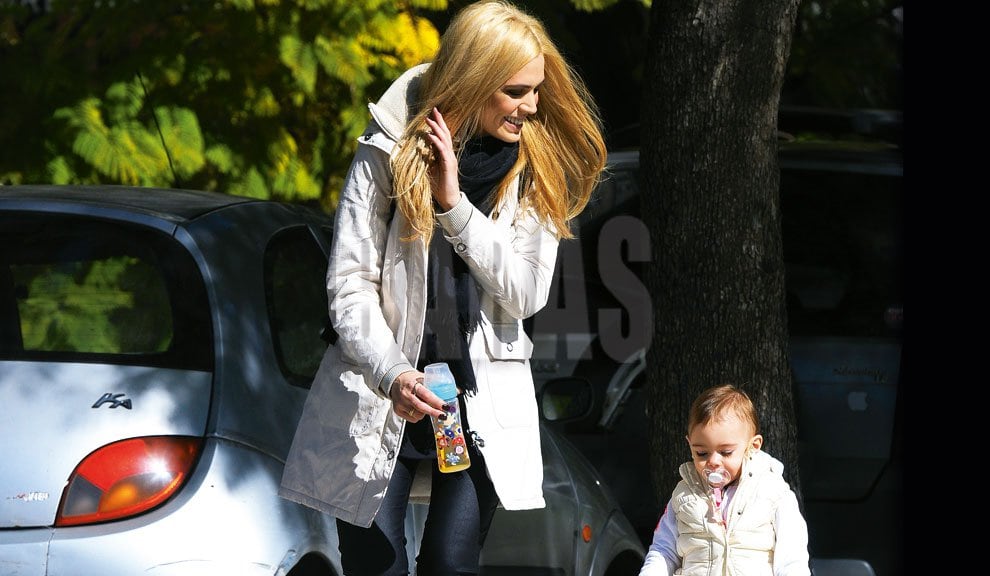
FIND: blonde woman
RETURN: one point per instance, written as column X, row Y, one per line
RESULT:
column 446, row 236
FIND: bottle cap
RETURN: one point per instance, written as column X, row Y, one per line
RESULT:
column 440, row 380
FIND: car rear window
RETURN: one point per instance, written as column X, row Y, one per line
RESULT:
column 77, row 288
column 842, row 240
column 843, row 252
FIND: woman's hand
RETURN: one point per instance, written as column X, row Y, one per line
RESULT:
column 443, row 172
column 411, row 400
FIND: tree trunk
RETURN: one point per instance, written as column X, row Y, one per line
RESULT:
column 714, row 72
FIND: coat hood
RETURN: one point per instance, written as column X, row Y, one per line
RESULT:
column 399, row 103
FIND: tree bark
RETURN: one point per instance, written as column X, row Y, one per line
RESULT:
column 714, row 72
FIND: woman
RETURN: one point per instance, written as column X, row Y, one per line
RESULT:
column 446, row 236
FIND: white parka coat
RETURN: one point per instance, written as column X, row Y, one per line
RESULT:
column 348, row 437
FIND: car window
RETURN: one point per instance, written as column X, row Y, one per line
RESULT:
column 75, row 288
column 842, row 248
column 841, row 234
column 295, row 280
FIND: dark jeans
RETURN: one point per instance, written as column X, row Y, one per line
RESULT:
column 462, row 505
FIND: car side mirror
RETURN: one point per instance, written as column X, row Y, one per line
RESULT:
column 563, row 399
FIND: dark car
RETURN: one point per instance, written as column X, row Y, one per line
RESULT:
column 841, row 209
column 156, row 349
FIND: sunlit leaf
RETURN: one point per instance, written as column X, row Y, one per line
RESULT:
column 251, row 186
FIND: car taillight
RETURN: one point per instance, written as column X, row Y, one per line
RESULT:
column 127, row 478
column 586, row 533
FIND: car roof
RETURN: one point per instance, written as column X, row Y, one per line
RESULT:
column 175, row 205
column 856, row 157
column 623, row 158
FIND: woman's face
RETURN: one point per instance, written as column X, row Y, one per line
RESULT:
column 509, row 106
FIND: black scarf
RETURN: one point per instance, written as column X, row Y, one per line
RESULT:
column 453, row 309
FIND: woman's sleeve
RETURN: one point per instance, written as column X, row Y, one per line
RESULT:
column 354, row 274
column 514, row 264
column 790, row 554
column 661, row 559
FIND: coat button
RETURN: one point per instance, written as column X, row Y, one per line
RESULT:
column 461, row 247
column 391, row 454
column 509, row 346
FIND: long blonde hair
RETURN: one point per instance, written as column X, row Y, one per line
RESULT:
column 561, row 148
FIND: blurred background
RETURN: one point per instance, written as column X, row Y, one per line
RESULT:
column 264, row 98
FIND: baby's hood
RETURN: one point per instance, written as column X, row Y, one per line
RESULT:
column 763, row 463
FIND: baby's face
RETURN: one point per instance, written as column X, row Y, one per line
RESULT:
column 722, row 445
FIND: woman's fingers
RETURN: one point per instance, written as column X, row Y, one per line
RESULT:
column 410, row 399
column 403, row 398
column 415, row 412
column 446, row 190
column 423, row 401
column 438, row 126
column 439, row 136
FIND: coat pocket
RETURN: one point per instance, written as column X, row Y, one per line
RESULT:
column 507, row 341
column 342, row 398
column 507, row 375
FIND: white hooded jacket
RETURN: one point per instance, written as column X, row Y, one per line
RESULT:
column 348, row 437
column 764, row 533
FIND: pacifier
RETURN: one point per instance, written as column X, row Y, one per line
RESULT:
column 717, row 479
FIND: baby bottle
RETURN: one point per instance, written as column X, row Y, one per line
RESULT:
column 452, row 454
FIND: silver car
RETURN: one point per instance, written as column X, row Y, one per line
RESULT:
column 156, row 347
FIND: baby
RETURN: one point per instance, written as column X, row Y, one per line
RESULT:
column 732, row 510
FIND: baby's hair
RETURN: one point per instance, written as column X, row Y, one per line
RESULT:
column 715, row 403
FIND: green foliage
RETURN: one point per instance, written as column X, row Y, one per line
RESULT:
column 846, row 54
column 266, row 97
column 262, row 98
column 299, row 58
column 596, row 5
column 183, row 139
column 115, row 305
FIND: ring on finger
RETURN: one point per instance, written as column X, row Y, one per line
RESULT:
column 414, row 388
column 411, row 413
